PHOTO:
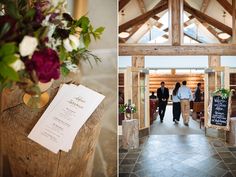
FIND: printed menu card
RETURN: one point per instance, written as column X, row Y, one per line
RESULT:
column 60, row 123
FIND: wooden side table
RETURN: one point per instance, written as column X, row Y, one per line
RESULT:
column 130, row 131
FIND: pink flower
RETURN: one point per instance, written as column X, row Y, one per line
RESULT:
column 46, row 65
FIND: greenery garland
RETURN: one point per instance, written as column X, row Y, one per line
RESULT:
column 223, row 93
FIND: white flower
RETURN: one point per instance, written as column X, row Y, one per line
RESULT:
column 18, row 64
column 71, row 43
column 28, row 45
column 46, row 22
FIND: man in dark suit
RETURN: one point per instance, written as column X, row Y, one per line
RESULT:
column 163, row 96
column 197, row 93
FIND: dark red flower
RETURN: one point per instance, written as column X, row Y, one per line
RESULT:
column 46, row 64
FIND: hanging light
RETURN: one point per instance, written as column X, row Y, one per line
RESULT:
column 123, row 35
column 223, row 35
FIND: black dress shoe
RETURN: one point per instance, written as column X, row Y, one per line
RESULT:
column 161, row 121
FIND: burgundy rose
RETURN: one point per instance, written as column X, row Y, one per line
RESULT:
column 46, row 65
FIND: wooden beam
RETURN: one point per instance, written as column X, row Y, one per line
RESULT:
column 205, row 18
column 226, row 5
column 205, row 4
column 143, row 18
column 153, row 50
column 193, row 38
column 156, row 18
column 122, row 4
column 234, row 22
column 133, row 31
column 187, row 23
column 166, row 37
column 175, row 23
column 214, row 32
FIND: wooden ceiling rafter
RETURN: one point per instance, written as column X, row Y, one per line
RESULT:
column 191, row 37
column 143, row 10
column 187, row 23
column 226, row 5
column 203, row 9
column 205, row 18
column 133, row 31
column 141, row 19
column 122, row 4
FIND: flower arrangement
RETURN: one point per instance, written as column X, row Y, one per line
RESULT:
column 127, row 108
column 39, row 41
column 223, row 93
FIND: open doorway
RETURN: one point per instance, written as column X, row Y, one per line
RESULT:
column 170, row 69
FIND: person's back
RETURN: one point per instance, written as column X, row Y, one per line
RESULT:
column 176, row 104
column 185, row 95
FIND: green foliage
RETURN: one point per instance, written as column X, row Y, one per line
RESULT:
column 9, row 59
column 30, row 14
column 11, row 8
column 86, row 55
column 222, row 92
column 83, row 23
column 127, row 108
column 8, row 72
column 64, row 70
column 8, row 49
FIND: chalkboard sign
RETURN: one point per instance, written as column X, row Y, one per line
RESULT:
column 219, row 111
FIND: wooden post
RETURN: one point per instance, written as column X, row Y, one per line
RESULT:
column 138, row 61
column 234, row 22
column 175, row 11
column 80, row 8
column 214, row 82
column 214, row 61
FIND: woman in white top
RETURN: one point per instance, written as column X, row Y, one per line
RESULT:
column 176, row 104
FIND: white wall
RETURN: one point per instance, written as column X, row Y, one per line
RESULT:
column 103, row 78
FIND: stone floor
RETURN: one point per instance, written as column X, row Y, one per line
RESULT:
column 178, row 155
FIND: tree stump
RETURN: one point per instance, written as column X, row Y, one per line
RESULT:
column 130, row 132
column 26, row 158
